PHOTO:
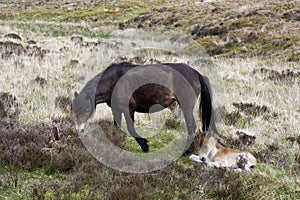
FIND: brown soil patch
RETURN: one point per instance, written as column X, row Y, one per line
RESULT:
column 243, row 142
column 8, row 106
column 64, row 103
column 251, row 109
column 49, row 146
column 285, row 76
column 9, row 48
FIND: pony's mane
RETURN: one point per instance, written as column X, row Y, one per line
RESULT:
column 91, row 86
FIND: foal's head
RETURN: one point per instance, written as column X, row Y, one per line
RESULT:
column 83, row 108
column 207, row 144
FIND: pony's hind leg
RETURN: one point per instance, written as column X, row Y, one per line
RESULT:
column 129, row 118
column 191, row 126
column 117, row 118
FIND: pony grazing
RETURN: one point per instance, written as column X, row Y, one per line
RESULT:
column 215, row 154
column 129, row 88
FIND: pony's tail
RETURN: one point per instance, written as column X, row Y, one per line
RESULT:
column 205, row 103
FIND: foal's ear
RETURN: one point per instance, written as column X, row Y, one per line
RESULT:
column 203, row 133
column 75, row 93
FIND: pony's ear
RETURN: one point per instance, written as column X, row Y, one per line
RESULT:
column 75, row 93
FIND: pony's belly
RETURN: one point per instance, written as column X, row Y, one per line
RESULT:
column 152, row 98
column 151, row 109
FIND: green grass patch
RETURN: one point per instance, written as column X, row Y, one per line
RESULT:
column 61, row 30
column 103, row 13
column 156, row 142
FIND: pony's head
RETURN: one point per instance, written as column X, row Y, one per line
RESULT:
column 207, row 144
column 83, row 107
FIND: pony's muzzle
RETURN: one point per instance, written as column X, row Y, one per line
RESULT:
column 80, row 129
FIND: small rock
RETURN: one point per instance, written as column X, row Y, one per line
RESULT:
column 40, row 81
column 31, row 42
column 74, row 63
column 77, row 39
column 294, row 15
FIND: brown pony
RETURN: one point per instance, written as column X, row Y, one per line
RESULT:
column 129, row 88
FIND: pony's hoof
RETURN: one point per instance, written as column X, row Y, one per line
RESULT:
column 186, row 153
column 143, row 143
column 145, row 148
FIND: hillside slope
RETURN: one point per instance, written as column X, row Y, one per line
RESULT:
column 224, row 28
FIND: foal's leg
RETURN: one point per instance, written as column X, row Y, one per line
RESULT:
column 129, row 118
column 195, row 158
column 117, row 117
column 214, row 164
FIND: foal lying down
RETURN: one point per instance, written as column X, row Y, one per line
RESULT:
column 214, row 154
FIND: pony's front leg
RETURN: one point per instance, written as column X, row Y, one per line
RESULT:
column 129, row 118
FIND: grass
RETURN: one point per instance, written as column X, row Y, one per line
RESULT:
column 253, row 29
column 101, row 12
column 156, row 142
column 193, row 182
column 234, row 81
column 39, row 184
column 51, row 29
